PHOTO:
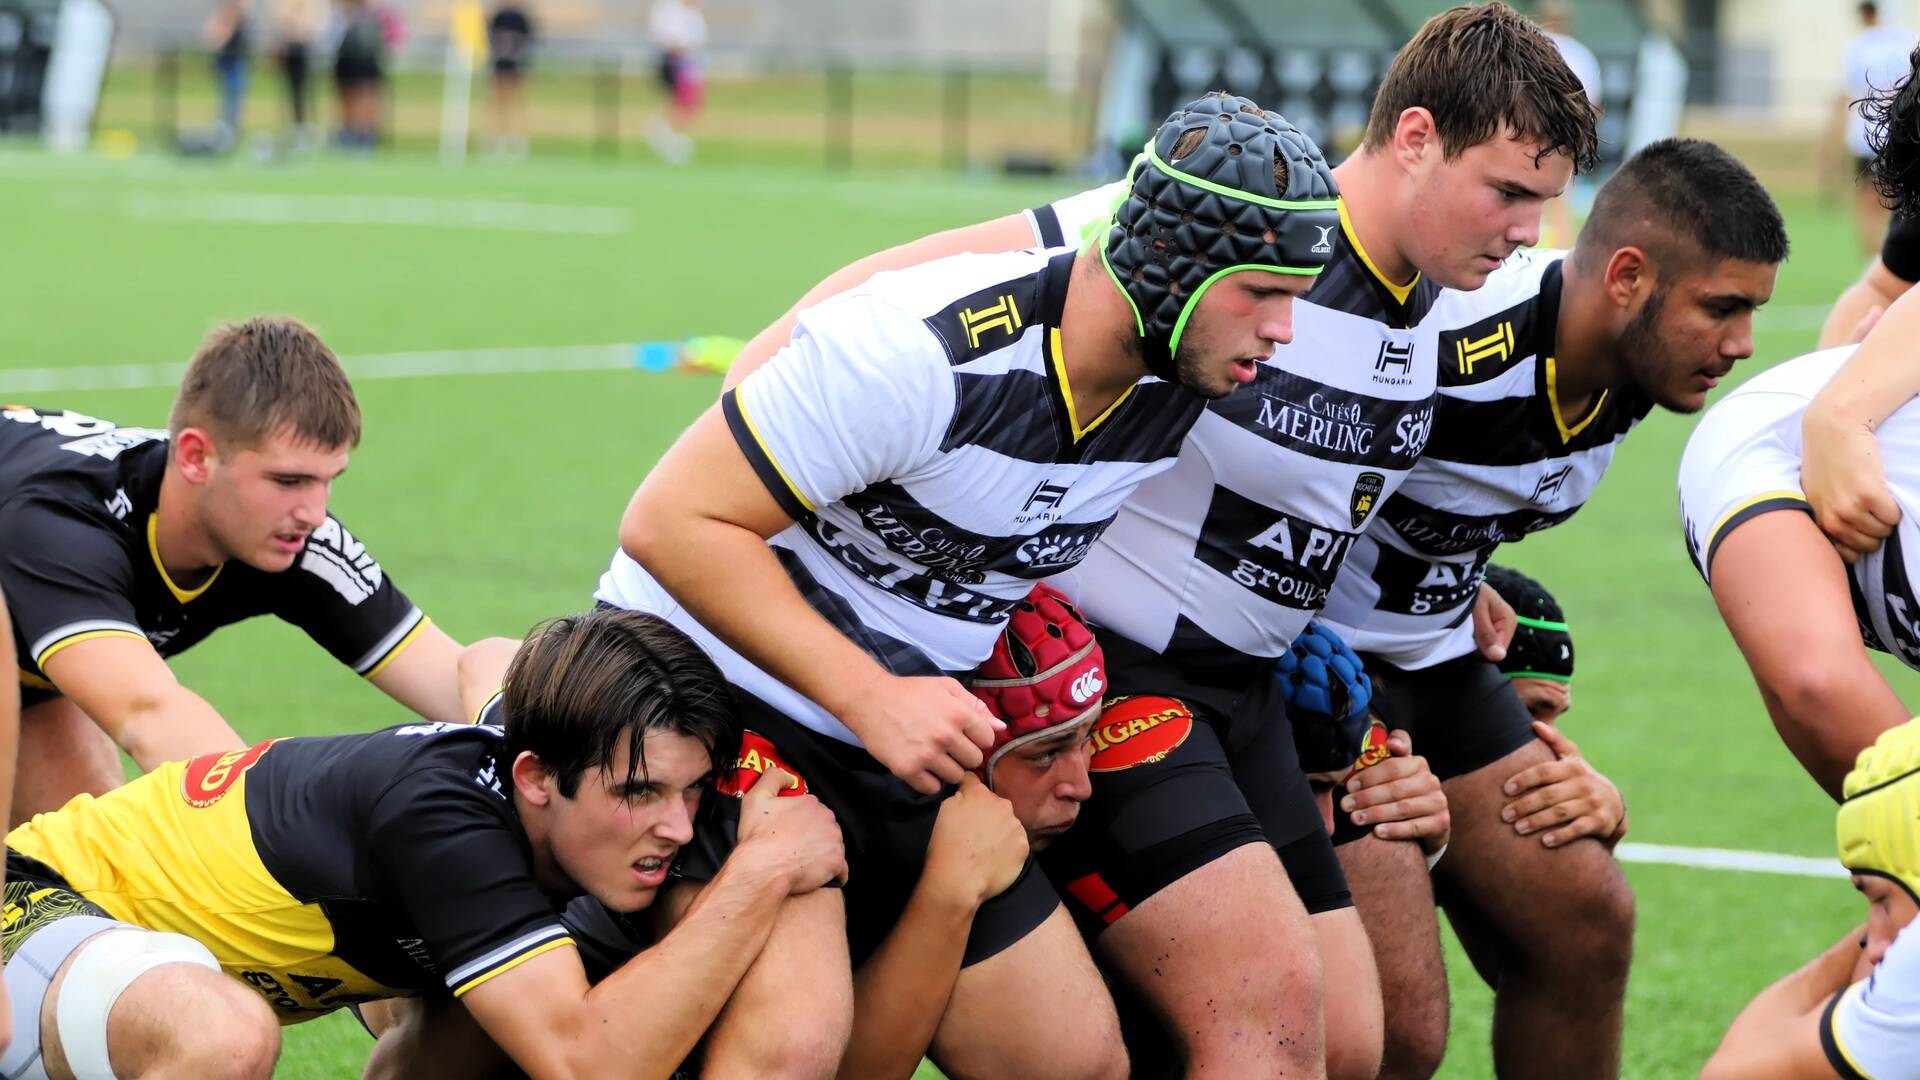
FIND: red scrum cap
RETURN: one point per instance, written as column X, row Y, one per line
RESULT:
column 1046, row 673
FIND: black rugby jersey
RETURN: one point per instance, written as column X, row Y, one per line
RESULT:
column 78, row 560
column 320, row 871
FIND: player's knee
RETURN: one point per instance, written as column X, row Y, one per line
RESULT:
column 242, row 1044
column 1353, row 1054
column 1592, row 928
column 1415, row 1044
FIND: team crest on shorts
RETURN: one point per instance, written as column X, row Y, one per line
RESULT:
column 1374, row 750
column 1366, row 493
column 1138, row 731
column 208, row 777
column 757, row 755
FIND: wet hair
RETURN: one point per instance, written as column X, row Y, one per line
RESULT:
column 1483, row 70
column 250, row 380
column 582, row 685
column 1893, row 134
column 1683, row 201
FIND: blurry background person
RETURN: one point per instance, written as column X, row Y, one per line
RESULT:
column 679, row 32
column 1556, row 20
column 225, row 32
column 359, row 63
column 510, row 38
column 296, row 28
column 1876, row 58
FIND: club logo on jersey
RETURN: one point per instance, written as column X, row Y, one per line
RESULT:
column 1549, row 485
column 1324, row 245
column 1138, row 731
column 1002, row 315
column 1395, row 357
column 335, row 557
column 1374, row 750
column 1497, row 346
column 757, row 755
column 209, row 777
column 1366, row 495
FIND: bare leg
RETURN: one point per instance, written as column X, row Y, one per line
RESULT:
column 1394, row 899
column 1004, row 1018
column 177, row 1022
column 1186, row 950
column 65, row 754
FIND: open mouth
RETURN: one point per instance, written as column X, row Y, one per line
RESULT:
column 293, row 541
column 652, row 869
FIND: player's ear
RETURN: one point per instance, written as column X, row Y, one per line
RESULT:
column 1414, row 136
column 193, row 454
column 1629, row 276
column 533, row 780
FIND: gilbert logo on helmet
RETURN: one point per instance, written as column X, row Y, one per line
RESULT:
column 1324, row 245
column 1086, row 687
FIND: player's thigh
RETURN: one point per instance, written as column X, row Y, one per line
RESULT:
column 794, row 1006
column 63, row 753
column 433, row 1038
column 1571, row 898
column 1004, row 1018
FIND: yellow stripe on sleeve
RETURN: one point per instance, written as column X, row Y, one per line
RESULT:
column 398, row 647
column 513, row 963
column 740, row 400
column 87, row 635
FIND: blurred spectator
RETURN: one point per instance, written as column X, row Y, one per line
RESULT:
column 1876, row 59
column 359, row 63
column 510, row 38
column 679, row 32
column 296, row 30
column 1556, row 21
column 225, row 32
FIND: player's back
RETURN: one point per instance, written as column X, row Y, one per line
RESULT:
column 69, row 456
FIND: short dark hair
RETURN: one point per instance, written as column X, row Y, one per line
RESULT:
column 252, row 379
column 1893, row 134
column 582, row 684
column 1482, row 70
column 1683, row 201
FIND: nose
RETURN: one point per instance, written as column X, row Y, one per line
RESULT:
column 1278, row 327
column 1075, row 783
column 1738, row 345
column 311, row 510
column 676, row 827
column 1525, row 232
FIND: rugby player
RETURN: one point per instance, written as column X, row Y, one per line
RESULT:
column 129, row 545
column 1853, row 1011
column 1214, row 567
column 164, row 928
column 9, row 746
column 1889, row 116
column 926, row 447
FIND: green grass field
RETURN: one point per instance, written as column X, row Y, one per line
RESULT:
column 492, row 498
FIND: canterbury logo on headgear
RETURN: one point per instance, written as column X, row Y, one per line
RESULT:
column 1044, row 675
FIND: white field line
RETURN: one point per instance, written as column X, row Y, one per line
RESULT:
column 384, row 210
column 1758, row 862
column 521, row 361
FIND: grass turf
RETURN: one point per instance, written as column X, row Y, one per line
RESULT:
column 492, row 498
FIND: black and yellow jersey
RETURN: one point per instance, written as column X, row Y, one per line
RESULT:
column 321, row 871
column 78, row 558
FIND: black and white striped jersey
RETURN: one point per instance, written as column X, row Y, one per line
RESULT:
column 1743, row 460
column 921, row 433
column 1222, row 560
column 1503, row 462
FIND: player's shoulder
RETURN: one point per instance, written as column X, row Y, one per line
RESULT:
column 338, row 559
column 1480, row 334
column 972, row 304
column 1801, row 377
column 419, row 763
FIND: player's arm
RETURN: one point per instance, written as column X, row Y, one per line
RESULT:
column 823, row 423
column 1777, row 1036
column 1783, row 593
column 1876, row 289
column 9, row 755
column 901, row 992
column 482, row 668
column 123, row 685
column 423, row 676
column 645, row 1018
column 1842, row 473
column 1010, row 233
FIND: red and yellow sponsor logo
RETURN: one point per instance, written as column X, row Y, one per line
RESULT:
column 207, row 777
column 1138, row 731
column 1374, row 750
column 757, row 755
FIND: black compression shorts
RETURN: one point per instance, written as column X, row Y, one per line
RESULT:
column 1462, row 713
column 1182, row 774
column 886, row 824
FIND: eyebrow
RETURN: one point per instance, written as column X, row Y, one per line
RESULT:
column 1516, row 187
column 1736, row 301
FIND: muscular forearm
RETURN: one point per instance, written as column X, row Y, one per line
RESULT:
column 170, row 724
column 1826, row 718
column 901, row 992
column 1853, row 305
column 1770, row 1036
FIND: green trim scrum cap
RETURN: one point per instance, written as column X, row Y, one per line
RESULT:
column 1542, row 646
column 1878, row 826
column 1189, row 221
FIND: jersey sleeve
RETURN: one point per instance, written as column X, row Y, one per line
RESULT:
column 447, row 847
column 1743, row 460
column 345, row 602
column 66, row 578
column 1872, row 1028
column 1071, row 220
column 863, row 393
column 1900, row 251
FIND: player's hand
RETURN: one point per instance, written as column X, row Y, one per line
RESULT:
column 1400, row 797
column 797, row 834
column 1493, row 624
column 978, row 845
column 1564, row 799
column 927, row 731
column 1846, row 484
column 1545, row 699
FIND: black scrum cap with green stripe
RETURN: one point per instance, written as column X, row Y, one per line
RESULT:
column 1187, row 223
column 1542, row 645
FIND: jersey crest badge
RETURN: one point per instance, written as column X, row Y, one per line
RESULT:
column 1366, row 495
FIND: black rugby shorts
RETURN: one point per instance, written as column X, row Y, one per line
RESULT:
column 1462, row 713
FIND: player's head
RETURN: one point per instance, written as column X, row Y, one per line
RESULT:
column 1878, row 829
column 1328, row 696
column 1539, row 661
column 1893, row 134
column 1045, row 680
column 1477, row 122
column 616, row 725
column 1229, row 214
column 260, row 428
column 1683, row 244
